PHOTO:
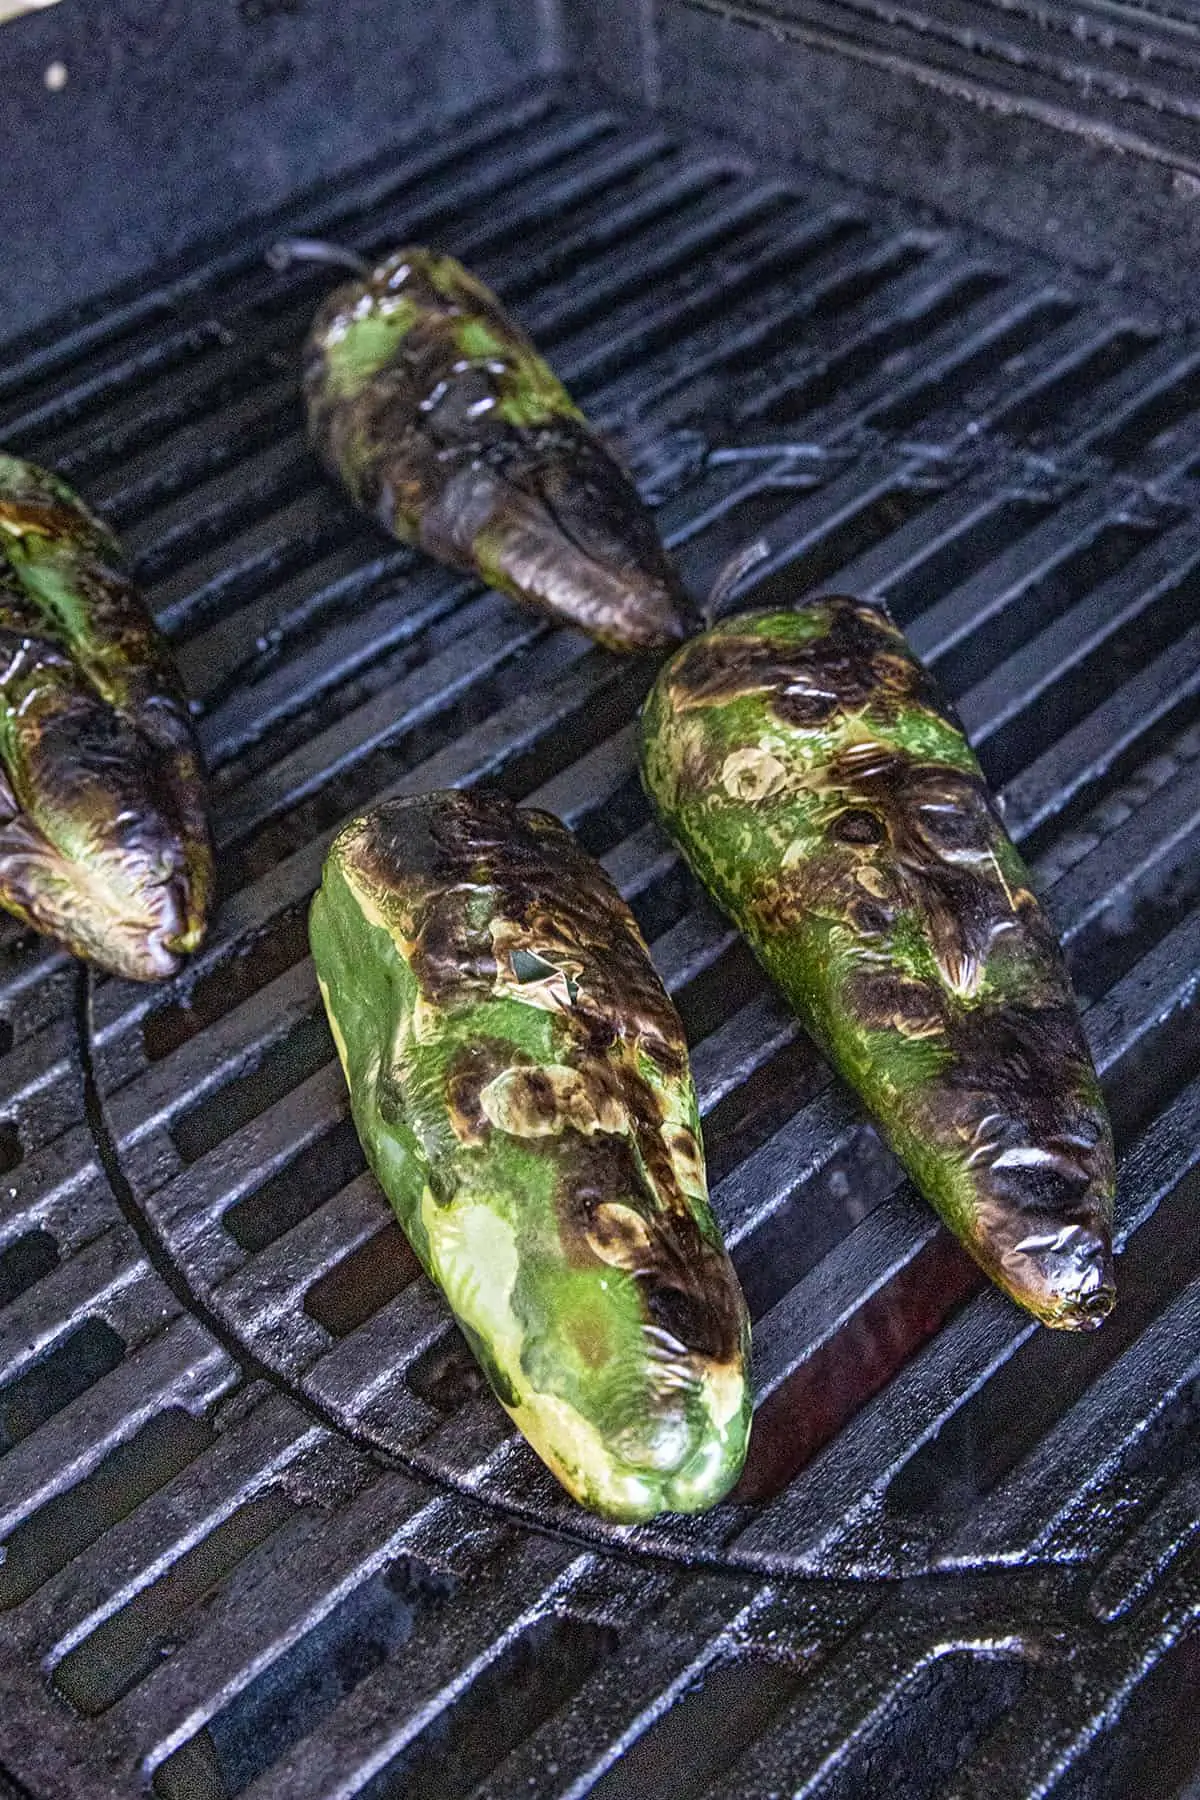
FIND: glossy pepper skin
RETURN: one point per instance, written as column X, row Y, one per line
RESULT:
column 446, row 426
column 519, row 1080
column 825, row 794
column 104, row 840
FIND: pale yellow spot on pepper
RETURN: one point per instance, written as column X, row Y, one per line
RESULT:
column 752, row 773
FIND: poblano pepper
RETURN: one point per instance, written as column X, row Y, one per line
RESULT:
column 104, row 840
column 445, row 424
column 826, row 795
column 519, row 1080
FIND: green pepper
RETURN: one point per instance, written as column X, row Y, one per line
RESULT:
column 104, row 839
column 825, row 794
column 519, row 1080
column 445, row 424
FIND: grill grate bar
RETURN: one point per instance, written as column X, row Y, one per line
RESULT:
column 1063, row 649
column 740, row 1047
column 543, row 148
column 1164, row 983
column 106, row 1280
column 1118, row 1028
column 241, row 1464
column 384, row 1716
column 1020, row 1518
column 204, row 1065
column 993, row 327
column 825, row 1517
column 825, row 1740
column 1093, row 1702
column 261, row 1296
column 1023, row 570
column 128, row 487
column 688, row 380
column 1074, row 358
column 879, row 341
column 38, row 1089
column 262, row 1151
column 257, row 343
column 811, row 538
column 286, row 1588
column 592, row 781
column 564, row 311
column 678, row 1640
column 772, row 248
column 660, row 184
column 179, row 1367
column 1147, row 403
column 36, row 983
column 1104, row 740
column 846, row 259
column 1131, row 868
column 241, row 267
column 360, row 1376
column 377, row 624
column 493, row 633
column 60, row 1189
column 308, row 528
column 679, row 290
column 1163, row 1535
column 192, row 524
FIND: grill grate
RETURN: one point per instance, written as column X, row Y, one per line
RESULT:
column 266, row 1535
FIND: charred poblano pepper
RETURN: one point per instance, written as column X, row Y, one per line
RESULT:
column 445, row 424
column 826, row 795
column 519, row 1080
column 103, row 835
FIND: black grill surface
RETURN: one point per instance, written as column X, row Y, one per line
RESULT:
column 265, row 1532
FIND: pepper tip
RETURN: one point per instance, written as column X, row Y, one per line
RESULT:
column 1089, row 1311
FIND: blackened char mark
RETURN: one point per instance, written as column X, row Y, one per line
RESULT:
column 883, row 1001
column 860, row 661
column 108, row 630
column 943, row 836
column 475, row 1065
column 685, row 1282
column 433, row 841
column 406, row 271
column 445, row 848
column 1028, row 1062
column 452, row 955
column 443, row 851
column 857, row 825
column 1020, row 1078
column 589, row 497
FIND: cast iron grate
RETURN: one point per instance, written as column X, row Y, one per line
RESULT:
column 265, row 1534
column 1122, row 75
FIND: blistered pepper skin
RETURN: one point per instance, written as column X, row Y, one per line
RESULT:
column 446, row 426
column 104, row 840
column 519, row 1080
column 825, row 794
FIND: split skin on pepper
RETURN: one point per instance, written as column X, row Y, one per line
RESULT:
column 519, row 1080
column 824, row 792
column 444, row 423
column 104, row 841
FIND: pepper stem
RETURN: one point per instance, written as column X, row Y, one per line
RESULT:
column 315, row 250
column 729, row 577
